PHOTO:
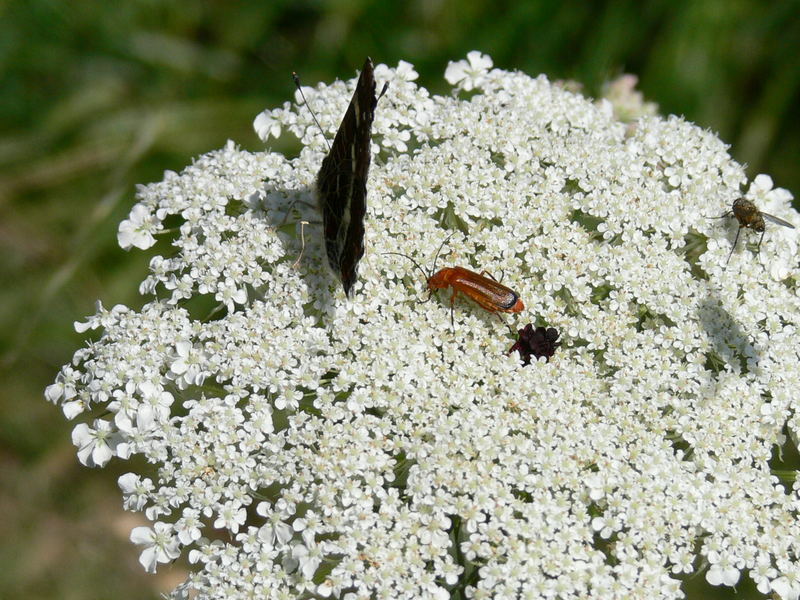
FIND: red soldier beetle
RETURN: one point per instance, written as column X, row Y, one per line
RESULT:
column 487, row 292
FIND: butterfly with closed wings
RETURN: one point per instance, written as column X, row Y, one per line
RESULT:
column 342, row 181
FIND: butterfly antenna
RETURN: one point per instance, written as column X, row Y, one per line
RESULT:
column 296, row 78
column 416, row 264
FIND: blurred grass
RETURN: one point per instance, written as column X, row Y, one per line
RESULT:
column 100, row 96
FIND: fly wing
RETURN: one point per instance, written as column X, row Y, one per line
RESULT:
column 776, row 220
column 342, row 182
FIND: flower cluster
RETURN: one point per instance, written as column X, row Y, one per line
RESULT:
column 305, row 445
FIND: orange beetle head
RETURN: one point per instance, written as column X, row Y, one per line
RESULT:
column 439, row 280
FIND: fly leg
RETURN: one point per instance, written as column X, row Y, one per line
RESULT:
column 758, row 249
column 735, row 241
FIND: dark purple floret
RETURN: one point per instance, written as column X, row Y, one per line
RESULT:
column 536, row 342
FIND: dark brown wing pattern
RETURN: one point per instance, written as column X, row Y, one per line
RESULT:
column 342, row 182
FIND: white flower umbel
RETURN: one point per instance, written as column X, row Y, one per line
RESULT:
column 366, row 448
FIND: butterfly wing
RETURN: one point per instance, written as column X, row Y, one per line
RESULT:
column 342, row 182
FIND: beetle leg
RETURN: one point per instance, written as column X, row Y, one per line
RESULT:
column 492, row 276
column 503, row 321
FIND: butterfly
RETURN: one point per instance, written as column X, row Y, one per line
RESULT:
column 342, row 181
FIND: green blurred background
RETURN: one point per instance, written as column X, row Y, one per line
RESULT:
column 98, row 96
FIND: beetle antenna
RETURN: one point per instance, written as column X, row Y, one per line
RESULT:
column 416, row 264
column 504, row 322
column 436, row 258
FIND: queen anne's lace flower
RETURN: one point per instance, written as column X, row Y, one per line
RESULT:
column 366, row 448
column 138, row 230
column 469, row 74
column 160, row 544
